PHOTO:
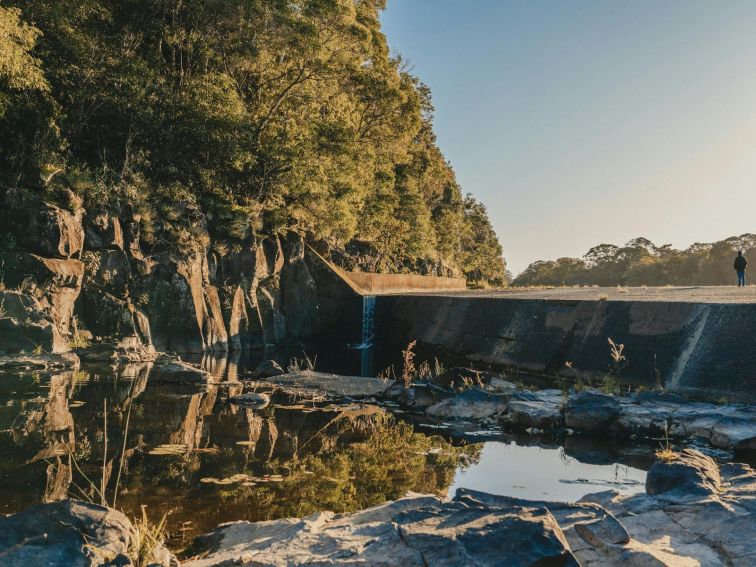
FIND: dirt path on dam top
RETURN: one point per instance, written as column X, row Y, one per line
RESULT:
column 689, row 294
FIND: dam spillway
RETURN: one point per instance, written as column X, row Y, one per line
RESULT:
column 695, row 340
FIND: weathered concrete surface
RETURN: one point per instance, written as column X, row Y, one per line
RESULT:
column 696, row 340
column 376, row 284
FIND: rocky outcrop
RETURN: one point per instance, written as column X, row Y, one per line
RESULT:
column 74, row 534
column 416, row 530
column 83, row 276
column 649, row 414
column 41, row 268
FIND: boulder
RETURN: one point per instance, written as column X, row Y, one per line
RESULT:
column 686, row 475
column 470, row 404
column 267, row 368
column 591, row 411
column 169, row 369
column 71, row 533
column 123, row 350
column 541, row 409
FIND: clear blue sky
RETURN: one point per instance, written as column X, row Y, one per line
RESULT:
column 585, row 121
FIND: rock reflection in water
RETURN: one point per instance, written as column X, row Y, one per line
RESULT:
column 209, row 461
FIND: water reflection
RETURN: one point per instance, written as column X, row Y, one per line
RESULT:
column 209, row 461
column 189, row 450
column 537, row 473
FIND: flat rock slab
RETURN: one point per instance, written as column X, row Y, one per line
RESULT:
column 332, row 385
column 416, row 530
column 39, row 362
column 176, row 371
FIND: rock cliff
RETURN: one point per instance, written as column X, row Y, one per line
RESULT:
column 73, row 278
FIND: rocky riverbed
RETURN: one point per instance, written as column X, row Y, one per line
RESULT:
column 651, row 414
column 316, row 467
column 694, row 512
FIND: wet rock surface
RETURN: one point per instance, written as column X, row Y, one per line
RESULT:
column 174, row 370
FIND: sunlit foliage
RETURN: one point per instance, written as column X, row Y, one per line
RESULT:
column 256, row 115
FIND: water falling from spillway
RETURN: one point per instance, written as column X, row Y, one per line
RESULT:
column 368, row 322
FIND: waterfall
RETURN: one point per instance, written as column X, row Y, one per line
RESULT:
column 368, row 321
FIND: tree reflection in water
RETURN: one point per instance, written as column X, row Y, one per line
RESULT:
column 209, row 461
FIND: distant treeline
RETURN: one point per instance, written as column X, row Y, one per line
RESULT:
column 641, row 262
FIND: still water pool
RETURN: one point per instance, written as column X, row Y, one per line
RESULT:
column 192, row 452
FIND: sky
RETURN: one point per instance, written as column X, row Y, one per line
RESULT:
column 579, row 122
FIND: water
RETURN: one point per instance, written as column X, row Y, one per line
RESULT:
column 189, row 450
column 368, row 321
column 536, row 473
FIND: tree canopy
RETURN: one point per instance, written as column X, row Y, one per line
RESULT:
column 260, row 115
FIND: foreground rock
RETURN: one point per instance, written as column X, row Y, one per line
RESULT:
column 71, row 533
column 416, row 530
column 693, row 514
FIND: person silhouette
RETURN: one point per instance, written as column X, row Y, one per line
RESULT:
column 740, row 268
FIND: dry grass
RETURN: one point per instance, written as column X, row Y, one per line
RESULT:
column 408, row 365
column 665, row 452
column 146, row 538
column 299, row 365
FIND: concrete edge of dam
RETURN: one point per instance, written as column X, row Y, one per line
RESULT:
column 703, row 349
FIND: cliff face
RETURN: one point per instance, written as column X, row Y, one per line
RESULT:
column 70, row 278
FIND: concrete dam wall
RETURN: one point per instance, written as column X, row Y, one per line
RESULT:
column 696, row 347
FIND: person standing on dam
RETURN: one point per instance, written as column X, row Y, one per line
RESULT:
column 740, row 267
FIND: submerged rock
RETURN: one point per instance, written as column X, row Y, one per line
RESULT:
column 71, row 533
